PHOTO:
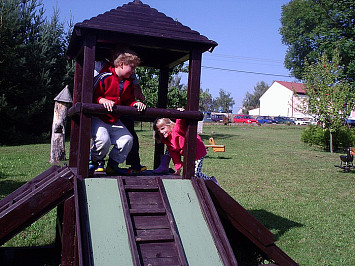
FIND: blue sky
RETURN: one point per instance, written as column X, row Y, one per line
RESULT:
column 247, row 33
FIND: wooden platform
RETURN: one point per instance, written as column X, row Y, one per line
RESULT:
column 135, row 220
column 148, row 220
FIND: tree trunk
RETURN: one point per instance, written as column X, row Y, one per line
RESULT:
column 58, row 133
column 331, row 142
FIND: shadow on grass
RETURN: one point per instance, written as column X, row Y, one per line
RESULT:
column 278, row 224
column 217, row 137
column 217, row 158
column 8, row 186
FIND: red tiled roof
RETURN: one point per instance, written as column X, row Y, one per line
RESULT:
column 299, row 88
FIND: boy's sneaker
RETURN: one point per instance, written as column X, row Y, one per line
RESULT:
column 138, row 168
column 96, row 166
column 117, row 171
column 92, row 167
column 100, row 166
column 113, row 169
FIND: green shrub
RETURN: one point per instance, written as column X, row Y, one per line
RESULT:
column 317, row 136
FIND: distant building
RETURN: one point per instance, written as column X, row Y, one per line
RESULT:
column 254, row 112
column 282, row 99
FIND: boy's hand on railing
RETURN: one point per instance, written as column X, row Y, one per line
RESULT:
column 140, row 106
column 108, row 104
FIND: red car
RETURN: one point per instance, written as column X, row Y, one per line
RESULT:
column 244, row 119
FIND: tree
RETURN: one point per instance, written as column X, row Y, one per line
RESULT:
column 206, row 101
column 330, row 97
column 33, row 70
column 177, row 93
column 149, row 81
column 252, row 100
column 224, row 101
column 311, row 28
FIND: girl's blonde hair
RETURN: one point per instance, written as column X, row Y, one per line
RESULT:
column 161, row 122
column 127, row 56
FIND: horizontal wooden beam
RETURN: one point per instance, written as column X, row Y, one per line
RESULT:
column 91, row 108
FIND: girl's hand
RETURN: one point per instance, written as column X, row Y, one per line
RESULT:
column 108, row 104
column 178, row 172
column 181, row 109
column 140, row 106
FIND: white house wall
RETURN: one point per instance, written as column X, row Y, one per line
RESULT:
column 280, row 101
column 298, row 105
column 276, row 101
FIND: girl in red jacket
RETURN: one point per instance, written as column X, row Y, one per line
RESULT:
column 173, row 136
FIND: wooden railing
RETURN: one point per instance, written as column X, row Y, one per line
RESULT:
column 148, row 114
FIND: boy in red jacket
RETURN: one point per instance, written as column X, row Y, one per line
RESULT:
column 114, row 87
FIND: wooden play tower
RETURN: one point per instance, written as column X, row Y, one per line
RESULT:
column 136, row 220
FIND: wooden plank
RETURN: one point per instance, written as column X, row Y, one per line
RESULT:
column 144, row 199
column 143, row 211
column 194, row 232
column 152, row 232
column 134, row 181
column 68, row 233
column 217, row 148
column 150, row 222
column 141, row 188
column 9, row 199
column 155, row 238
column 174, row 230
column 159, row 253
column 171, row 261
column 162, row 103
column 82, row 244
column 74, row 132
column 86, row 97
column 93, row 108
column 129, row 225
column 215, row 225
column 35, row 204
column 108, row 231
column 192, row 104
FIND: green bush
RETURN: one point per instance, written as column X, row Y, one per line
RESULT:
column 317, row 136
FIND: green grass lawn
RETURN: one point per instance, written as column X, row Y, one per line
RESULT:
column 293, row 189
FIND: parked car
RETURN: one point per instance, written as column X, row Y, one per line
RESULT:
column 218, row 118
column 266, row 120
column 207, row 118
column 313, row 121
column 350, row 122
column 284, row 120
column 302, row 121
column 247, row 119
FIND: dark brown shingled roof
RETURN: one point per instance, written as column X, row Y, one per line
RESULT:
column 158, row 39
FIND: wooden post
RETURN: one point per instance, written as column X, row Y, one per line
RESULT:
column 193, row 94
column 162, row 103
column 61, row 106
column 86, row 97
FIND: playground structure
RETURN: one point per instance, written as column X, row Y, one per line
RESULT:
column 135, row 220
column 215, row 148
